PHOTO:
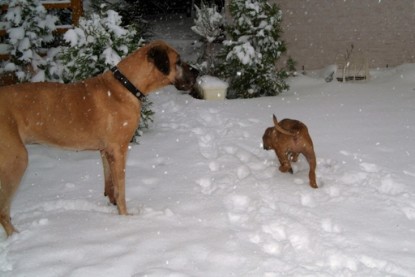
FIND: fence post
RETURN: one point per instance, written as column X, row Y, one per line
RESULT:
column 77, row 11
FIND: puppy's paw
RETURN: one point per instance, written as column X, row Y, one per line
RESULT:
column 286, row 168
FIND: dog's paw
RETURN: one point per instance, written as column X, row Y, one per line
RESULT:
column 286, row 168
column 313, row 185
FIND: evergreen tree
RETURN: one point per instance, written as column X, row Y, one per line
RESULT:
column 97, row 44
column 29, row 27
column 253, row 47
column 209, row 25
column 131, row 12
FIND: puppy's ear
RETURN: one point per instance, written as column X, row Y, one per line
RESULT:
column 159, row 57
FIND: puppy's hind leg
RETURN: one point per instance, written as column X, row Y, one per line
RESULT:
column 13, row 163
column 311, row 158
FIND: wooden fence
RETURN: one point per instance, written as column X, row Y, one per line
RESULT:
column 74, row 5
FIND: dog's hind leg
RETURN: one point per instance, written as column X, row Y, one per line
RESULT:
column 13, row 163
column 311, row 158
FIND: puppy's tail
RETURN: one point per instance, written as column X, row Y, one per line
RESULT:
column 280, row 129
column 283, row 131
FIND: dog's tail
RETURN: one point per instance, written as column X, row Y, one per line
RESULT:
column 280, row 129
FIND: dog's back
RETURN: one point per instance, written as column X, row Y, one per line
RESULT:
column 292, row 125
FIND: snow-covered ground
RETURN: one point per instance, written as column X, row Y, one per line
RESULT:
column 206, row 200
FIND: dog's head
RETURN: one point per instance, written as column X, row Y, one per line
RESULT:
column 268, row 138
column 156, row 65
column 168, row 62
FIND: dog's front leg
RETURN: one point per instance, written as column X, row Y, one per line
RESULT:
column 109, row 185
column 116, row 160
column 13, row 163
column 285, row 165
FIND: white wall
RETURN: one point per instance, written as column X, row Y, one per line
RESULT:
column 318, row 32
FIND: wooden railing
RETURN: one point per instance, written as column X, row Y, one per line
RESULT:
column 74, row 5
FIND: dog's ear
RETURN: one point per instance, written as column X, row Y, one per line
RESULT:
column 274, row 118
column 158, row 56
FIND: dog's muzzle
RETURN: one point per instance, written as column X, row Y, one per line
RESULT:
column 187, row 78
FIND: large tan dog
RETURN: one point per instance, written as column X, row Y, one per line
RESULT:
column 289, row 138
column 99, row 113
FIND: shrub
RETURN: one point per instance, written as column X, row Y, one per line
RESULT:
column 248, row 58
column 29, row 27
column 97, row 44
column 209, row 26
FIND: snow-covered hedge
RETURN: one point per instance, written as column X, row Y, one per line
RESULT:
column 29, row 27
column 208, row 22
column 253, row 47
column 98, row 43
column 209, row 26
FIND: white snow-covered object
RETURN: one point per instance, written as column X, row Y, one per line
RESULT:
column 211, row 88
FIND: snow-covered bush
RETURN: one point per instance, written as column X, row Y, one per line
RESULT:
column 209, row 25
column 29, row 27
column 208, row 22
column 131, row 12
column 97, row 44
column 249, row 56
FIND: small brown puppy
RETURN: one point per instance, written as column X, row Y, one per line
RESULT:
column 99, row 113
column 289, row 138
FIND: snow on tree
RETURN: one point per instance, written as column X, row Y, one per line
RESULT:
column 29, row 27
column 208, row 22
column 98, row 43
column 209, row 25
column 248, row 59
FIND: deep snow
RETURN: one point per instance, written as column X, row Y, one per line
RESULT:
column 207, row 200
